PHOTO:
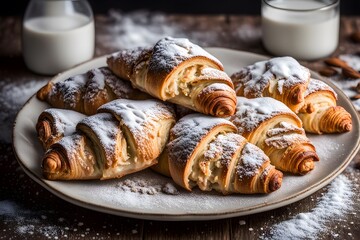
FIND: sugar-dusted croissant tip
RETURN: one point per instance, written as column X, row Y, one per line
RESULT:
column 275, row 181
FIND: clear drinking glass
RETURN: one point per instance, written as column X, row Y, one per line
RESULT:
column 57, row 34
column 303, row 29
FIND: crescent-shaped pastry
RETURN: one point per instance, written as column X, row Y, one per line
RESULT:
column 86, row 92
column 273, row 127
column 180, row 72
column 53, row 124
column 126, row 136
column 282, row 78
column 320, row 113
column 205, row 151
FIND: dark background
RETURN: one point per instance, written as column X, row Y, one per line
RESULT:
column 251, row 7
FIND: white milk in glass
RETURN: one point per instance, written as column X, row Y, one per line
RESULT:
column 52, row 44
column 306, row 34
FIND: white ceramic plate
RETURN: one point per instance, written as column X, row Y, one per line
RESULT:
column 335, row 151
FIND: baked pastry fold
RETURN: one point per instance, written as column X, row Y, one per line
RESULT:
column 282, row 78
column 273, row 127
column 205, row 151
column 320, row 113
column 86, row 92
column 180, row 72
column 53, row 124
column 125, row 136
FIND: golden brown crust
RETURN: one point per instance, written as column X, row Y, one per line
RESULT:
column 162, row 166
column 272, row 126
column 205, row 152
column 177, row 70
column 184, row 144
column 53, row 124
column 72, row 158
column 282, row 78
column 85, row 93
column 320, row 113
column 125, row 137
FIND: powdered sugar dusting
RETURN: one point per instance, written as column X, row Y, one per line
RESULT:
column 224, row 147
column 12, row 97
column 214, row 73
column 187, row 134
column 169, row 52
column 139, row 28
column 284, row 127
column 285, row 135
column 252, row 158
column 26, row 220
column 252, row 112
column 217, row 87
column 98, row 84
column 138, row 115
column 70, row 89
column 64, row 120
column 71, row 143
column 94, row 84
column 148, row 186
column 336, row 202
column 317, row 85
column 106, row 129
column 256, row 78
column 286, row 140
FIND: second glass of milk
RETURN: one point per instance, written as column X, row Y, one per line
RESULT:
column 57, row 35
column 303, row 29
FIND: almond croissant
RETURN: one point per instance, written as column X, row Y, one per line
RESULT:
column 180, row 72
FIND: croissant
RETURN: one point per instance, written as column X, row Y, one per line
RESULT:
column 86, row 92
column 282, row 78
column 205, row 151
column 53, row 124
column 320, row 113
column 125, row 136
column 274, row 128
column 180, row 72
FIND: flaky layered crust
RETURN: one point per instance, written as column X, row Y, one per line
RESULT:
column 146, row 124
column 205, row 152
column 86, row 92
column 178, row 71
column 282, row 78
column 126, row 136
column 53, row 124
column 274, row 128
column 320, row 113
column 72, row 158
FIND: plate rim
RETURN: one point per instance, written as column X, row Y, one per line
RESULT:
column 192, row 216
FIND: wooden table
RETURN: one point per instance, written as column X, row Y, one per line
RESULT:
column 29, row 211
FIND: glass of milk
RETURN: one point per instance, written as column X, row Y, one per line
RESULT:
column 303, row 29
column 57, row 35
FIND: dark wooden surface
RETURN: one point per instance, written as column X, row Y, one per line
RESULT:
column 41, row 215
